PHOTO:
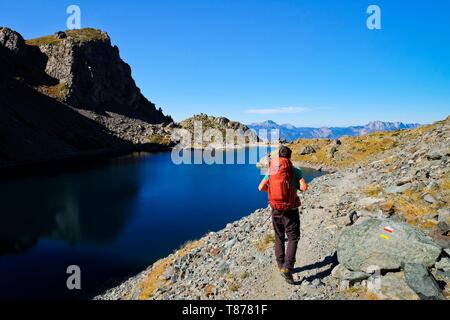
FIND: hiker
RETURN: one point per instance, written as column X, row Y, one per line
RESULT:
column 282, row 182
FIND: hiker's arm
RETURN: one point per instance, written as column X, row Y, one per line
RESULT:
column 303, row 185
column 263, row 186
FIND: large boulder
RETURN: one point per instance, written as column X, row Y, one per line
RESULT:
column 367, row 244
column 352, row 277
column 419, row 279
column 391, row 286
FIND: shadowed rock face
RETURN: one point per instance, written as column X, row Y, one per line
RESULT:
column 63, row 95
column 22, row 62
column 93, row 76
column 35, row 127
column 11, row 43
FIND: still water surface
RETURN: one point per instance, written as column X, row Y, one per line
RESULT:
column 113, row 220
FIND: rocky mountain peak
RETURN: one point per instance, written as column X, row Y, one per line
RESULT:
column 67, row 94
column 89, row 74
column 209, row 121
column 220, row 123
column 380, row 125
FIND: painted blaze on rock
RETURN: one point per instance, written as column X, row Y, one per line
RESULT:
column 386, row 244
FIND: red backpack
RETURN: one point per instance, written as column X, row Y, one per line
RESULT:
column 282, row 194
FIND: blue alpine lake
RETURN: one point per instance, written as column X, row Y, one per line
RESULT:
column 113, row 219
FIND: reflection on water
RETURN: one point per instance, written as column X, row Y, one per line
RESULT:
column 72, row 208
column 113, row 220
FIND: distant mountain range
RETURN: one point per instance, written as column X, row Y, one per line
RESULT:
column 290, row 132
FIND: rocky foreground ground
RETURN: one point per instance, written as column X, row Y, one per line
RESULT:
column 377, row 230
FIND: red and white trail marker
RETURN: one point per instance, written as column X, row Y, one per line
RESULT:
column 388, row 229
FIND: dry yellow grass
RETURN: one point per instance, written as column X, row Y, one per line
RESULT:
column 357, row 292
column 79, row 35
column 388, row 206
column 444, row 188
column 426, row 224
column 355, row 150
column 231, row 283
column 361, row 293
column 373, row 190
column 354, row 290
column 413, row 208
column 58, row 91
column 233, row 287
column 87, row 34
column 371, row 296
column 266, row 242
column 161, row 139
column 243, row 275
column 153, row 280
column 410, row 204
column 43, row 40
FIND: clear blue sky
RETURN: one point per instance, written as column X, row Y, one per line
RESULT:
column 308, row 63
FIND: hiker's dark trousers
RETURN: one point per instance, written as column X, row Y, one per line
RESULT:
column 286, row 222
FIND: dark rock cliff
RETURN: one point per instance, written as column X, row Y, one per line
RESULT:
column 67, row 94
column 93, row 75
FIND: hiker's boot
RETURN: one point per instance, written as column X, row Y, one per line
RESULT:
column 287, row 275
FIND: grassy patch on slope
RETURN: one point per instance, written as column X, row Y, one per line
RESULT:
column 78, row 35
column 355, row 150
column 58, row 91
column 154, row 280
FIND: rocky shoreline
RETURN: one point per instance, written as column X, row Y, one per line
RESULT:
column 404, row 190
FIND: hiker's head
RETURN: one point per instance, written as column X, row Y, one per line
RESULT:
column 284, row 152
